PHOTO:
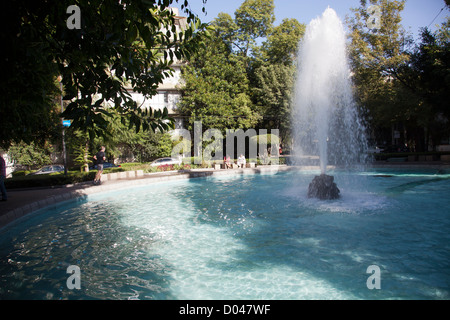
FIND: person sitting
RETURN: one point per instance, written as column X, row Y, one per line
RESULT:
column 227, row 162
column 241, row 161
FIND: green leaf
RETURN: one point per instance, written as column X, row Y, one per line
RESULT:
column 132, row 33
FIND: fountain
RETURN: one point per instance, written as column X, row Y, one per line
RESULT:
column 323, row 187
column 249, row 236
column 325, row 118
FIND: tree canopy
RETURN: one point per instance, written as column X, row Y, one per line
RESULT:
column 119, row 45
column 216, row 89
column 239, row 82
column 240, row 70
column 400, row 84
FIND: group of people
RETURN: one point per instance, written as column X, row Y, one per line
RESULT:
column 240, row 162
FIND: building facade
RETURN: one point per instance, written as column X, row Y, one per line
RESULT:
column 168, row 93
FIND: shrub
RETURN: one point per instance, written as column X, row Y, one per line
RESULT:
column 21, row 173
column 115, row 169
column 182, row 167
column 165, row 167
column 150, row 169
column 47, row 180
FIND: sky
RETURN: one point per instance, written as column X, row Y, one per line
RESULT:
column 417, row 13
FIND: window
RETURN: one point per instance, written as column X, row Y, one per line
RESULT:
column 166, row 97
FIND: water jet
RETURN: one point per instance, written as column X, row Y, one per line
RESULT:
column 325, row 117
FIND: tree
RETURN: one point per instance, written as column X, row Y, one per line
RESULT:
column 399, row 85
column 427, row 78
column 380, row 49
column 216, row 89
column 151, row 145
column 253, row 20
column 144, row 145
column 119, row 44
column 31, row 155
column 81, row 150
column 282, row 42
column 235, row 82
column 274, row 75
column 273, row 93
column 376, row 55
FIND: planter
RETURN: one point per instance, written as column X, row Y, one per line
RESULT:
column 139, row 173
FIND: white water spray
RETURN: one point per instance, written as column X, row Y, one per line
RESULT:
column 325, row 118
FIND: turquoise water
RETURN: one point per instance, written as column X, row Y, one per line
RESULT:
column 239, row 237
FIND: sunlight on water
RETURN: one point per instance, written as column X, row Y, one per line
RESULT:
column 246, row 237
column 206, row 259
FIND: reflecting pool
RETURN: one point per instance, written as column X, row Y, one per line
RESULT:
column 239, row 237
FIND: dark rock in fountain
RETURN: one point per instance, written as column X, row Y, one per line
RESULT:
column 323, row 187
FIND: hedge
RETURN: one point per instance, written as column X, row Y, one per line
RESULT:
column 53, row 179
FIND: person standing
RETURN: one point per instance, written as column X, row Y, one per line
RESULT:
column 100, row 159
column 2, row 178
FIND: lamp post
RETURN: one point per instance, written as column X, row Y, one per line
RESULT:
column 63, row 130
